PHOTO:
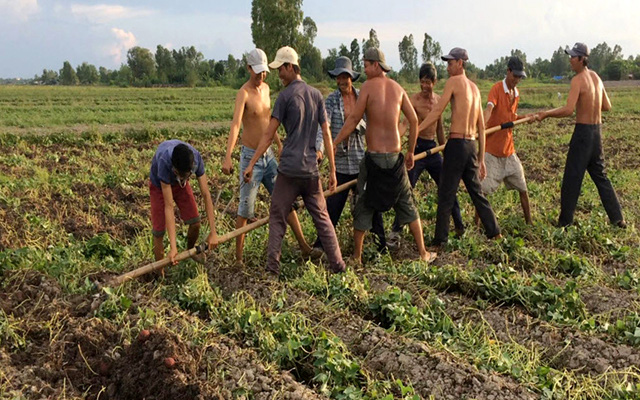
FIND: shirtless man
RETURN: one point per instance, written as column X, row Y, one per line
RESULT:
column 382, row 99
column 253, row 111
column 588, row 98
column 460, row 159
column 422, row 103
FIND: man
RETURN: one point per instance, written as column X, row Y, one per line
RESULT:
column 460, row 159
column 340, row 105
column 171, row 167
column 423, row 103
column 588, row 98
column 252, row 110
column 300, row 108
column 503, row 164
column 382, row 181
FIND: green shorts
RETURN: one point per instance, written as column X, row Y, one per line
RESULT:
column 404, row 207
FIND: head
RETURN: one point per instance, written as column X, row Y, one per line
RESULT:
column 455, row 61
column 428, row 78
column 286, row 62
column 257, row 66
column 344, row 74
column 182, row 163
column 579, row 54
column 515, row 72
column 375, row 63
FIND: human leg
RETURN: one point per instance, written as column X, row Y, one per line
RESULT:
column 285, row 192
column 605, row 188
column 450, row 175
column 578, row 157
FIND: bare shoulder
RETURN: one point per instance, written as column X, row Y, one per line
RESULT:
column 595, row 77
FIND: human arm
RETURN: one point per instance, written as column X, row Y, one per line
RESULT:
column 440, row 132
column 412, row 120
column 278, row 141
column 319, row 144
column 265, row 142
column 354, row 118
column 487, row 111
column 606, row 102
column 481, row 146
column 212, row 239
column 326, row 136
column 567, row 110
column 437, row 110
column 238, row 112
column 170, row 221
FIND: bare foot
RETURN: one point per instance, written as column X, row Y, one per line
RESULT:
column 428, row 256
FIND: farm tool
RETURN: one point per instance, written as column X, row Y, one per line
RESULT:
column 263, row 221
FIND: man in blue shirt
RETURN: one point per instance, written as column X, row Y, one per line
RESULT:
column 171, row 167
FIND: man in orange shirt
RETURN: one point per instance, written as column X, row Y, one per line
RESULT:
column 503, row 164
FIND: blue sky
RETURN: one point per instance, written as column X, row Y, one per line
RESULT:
column 37, row 34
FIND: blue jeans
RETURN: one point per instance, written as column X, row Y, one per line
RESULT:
column 264, row 172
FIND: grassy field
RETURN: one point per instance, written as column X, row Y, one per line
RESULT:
column 543, row 313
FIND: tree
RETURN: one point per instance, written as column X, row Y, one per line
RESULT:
column 330, row 61
column 166, row 65
column 431, row 50
column 354, row 54
column 105, row 75
column 408, row 58
column 559, row 64
column 311, row 64
column 371, row 42
column 218, row 71
column 187, row 60
column 142, row 64
column 275, row 24
column 499, row 66
column 309, row 32
column 68, row 74
column 601, row 55
column 539, row 68
column 87, row 74
column 343, row 52
column 49, row 77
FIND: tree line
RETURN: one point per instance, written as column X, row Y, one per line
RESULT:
column 276, row 24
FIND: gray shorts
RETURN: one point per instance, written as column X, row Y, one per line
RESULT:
column 503, row 169
column 405, row 207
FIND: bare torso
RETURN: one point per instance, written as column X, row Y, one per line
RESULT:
column 384, row 100
column 349, row 102
column 257, row 113
column 423, row 107
column 589, row 104
column 465, row 105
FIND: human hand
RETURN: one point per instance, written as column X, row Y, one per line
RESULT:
column 227, row 168
column 332, row 182
column 408, row 161
column 212, row 241
column 172, row 256
column 482, row 172
column 248, row 173
column 319, row 156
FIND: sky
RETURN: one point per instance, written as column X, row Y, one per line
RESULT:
column 38, row 34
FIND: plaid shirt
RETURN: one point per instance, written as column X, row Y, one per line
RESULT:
column 351, row 151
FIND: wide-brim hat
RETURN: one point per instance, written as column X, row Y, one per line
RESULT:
column 344, row 66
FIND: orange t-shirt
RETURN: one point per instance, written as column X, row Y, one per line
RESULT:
column 500, row 144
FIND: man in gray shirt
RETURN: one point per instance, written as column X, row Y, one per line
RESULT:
column 300, row 108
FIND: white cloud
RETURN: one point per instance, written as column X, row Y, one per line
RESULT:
column 124, row 41
column 18, row 9
column 102, row 13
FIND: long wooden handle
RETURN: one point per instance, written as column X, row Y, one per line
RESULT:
column 506, row 125
column 154, row 266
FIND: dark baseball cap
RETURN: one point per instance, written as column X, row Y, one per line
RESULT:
column 578, row 50
column 456, row 53
column 375, row 54
column 517, row 67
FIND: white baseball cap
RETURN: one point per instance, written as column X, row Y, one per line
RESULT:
column 284, row 55
column 257, row 59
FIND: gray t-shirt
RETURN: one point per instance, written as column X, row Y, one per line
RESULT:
column 300, row 109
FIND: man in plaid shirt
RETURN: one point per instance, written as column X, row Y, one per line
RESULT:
column 350, row 153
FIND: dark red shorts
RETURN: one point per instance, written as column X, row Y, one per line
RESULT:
column 184, row 199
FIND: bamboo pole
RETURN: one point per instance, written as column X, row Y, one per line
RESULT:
column 263, row 221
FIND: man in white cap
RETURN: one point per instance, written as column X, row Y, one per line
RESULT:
column 300, row 109
column 383, row 182
column 252, row 111
column 588, row 98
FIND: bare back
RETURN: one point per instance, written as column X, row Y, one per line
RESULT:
column 590, row 97
column 384, row 99
column 423, row 107
column 256, row 115
column 466, row 105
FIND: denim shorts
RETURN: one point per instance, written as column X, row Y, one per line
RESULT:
column 265, row 172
